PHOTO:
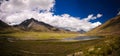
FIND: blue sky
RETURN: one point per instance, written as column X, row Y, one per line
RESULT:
column 74, row 15
column 82, row 8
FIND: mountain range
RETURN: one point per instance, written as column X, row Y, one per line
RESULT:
column 31, row 25
column 112, row 26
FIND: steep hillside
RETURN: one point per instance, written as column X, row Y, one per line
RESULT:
column 112, row 26
column 5, row 28
column 34, row 25
column 3, row 25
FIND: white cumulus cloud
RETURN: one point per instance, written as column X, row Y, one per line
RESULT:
column 118, row 13
column 15, row 11
column 99, row 15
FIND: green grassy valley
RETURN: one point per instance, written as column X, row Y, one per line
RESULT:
column 39, row 35
column 25, row 40
column 107, row 46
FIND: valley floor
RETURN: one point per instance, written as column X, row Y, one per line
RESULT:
column 40, row 48
column 107, row 46
column 40, row 35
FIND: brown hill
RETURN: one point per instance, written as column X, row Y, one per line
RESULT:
column 112, row 26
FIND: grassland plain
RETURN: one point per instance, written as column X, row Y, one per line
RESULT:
column 40, row 35
column 107, row 46
column 39, row 48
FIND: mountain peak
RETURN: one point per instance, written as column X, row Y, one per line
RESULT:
column 29, row 21
column 32, row 19
column 34, row 25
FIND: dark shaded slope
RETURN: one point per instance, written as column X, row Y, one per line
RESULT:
column 3, row 25
column 5, row 28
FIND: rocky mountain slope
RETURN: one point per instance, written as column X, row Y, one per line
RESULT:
column 34, row 25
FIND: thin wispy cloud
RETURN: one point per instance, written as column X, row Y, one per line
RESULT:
column 15, row 11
